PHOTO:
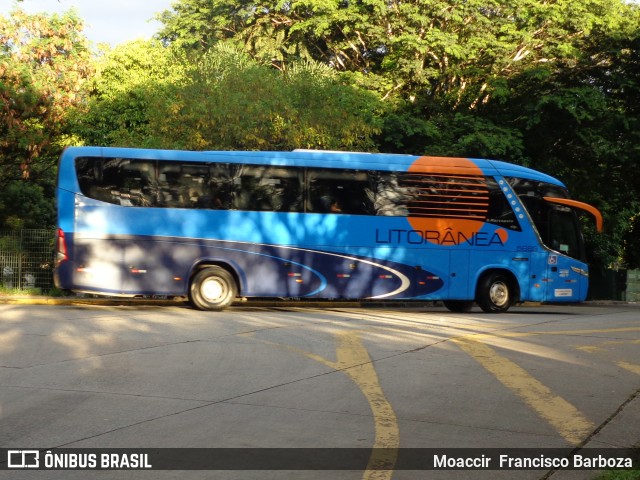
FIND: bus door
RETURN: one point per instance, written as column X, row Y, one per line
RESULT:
column 566, row 274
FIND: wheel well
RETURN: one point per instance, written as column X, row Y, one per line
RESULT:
column 226, row 266
column 514, row 286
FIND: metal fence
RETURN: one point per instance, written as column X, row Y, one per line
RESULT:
column 633, row 286
column 26, row 259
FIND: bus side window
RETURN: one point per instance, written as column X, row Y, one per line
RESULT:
column 171, row 192
column 121, row 181
column 136, row 182
column 339, row 191
column 183, row 185
column 218, row 192
column 89, row 173
column 441, row 195
column 389, row 197
column 500, row 211
column 272, row 189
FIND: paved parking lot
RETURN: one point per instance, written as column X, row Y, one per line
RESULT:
column 108, row 376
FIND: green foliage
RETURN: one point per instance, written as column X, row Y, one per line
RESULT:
column 633, row 474
column 461, row 134
column 222, row 99
column 44, row 60
column 25, row 204
column 581, row 125
column 458, row 50
column 127, row 78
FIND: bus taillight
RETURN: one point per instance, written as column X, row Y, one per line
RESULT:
column 61, row 248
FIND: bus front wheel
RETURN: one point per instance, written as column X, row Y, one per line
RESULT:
column 495, row 294
column 212, row 288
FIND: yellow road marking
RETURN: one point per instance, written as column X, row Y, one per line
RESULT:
column 353, row 360
column 563, row 417
column 630, row 366
column 615, row 343
column 507, row 334
column 589, row 348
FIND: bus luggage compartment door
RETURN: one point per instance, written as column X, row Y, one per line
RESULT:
column 152, row 267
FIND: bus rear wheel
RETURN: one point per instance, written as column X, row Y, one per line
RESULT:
column 212, row 288
column 495, row 294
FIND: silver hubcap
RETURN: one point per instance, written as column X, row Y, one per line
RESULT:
column 212, row 289
column 499, row 294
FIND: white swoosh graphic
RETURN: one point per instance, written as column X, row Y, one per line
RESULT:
column 406, row 283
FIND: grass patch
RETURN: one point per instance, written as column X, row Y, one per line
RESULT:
column 30, row 292
column 19, row 291
column 619, row 475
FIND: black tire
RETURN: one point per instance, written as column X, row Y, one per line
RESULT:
column 458, row 306
column 212, row 288
column 495, row 293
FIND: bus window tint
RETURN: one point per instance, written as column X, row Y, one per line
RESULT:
column 275, row 189
column 224, row 186
column 89, row 173
column 181, row 185
column 194, row 185
column 389, row 197
column 339, row 191
column 219, row 194
column 564, row 232
column 119, row 181
column 500, row 212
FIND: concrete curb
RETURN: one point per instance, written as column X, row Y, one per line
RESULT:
column 83, row 301
column 620, row 431
column 265, row 303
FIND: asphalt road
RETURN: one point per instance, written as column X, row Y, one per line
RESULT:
column 168, row 376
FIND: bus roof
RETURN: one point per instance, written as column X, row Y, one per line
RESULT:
column 312, row 158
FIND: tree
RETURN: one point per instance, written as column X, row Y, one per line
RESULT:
column 581, row 124
column 44, row 61
column 25, row 204
column 443, row 48
column 223, row 99
column 233, row 102
column 572, row 113
column 117, row 110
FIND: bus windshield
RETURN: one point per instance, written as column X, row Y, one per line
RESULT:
column 556, row 224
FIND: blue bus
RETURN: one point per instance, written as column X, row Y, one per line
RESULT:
column 215, row 225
